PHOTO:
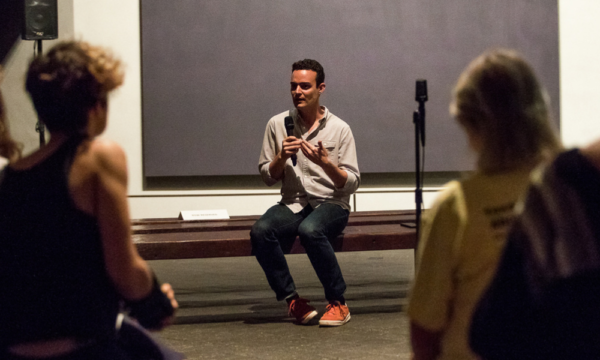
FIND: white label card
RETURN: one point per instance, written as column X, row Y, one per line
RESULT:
column 203, row 214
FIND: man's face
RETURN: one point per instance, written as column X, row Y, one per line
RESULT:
column 305, row 92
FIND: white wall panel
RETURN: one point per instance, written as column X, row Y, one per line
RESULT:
column 579, row 70
column 402, row 199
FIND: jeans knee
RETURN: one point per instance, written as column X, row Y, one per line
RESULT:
column 309, row 233
column 260, row 232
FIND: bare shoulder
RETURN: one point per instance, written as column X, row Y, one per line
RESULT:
column 107, row 154
column 105, row 149
column 102, row 157
column 98, row 164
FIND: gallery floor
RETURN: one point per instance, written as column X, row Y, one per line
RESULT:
column 227, row 310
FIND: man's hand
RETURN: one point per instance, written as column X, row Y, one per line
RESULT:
column 318, row 155
column 290, row 146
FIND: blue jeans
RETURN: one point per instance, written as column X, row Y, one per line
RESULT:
column 273, row 236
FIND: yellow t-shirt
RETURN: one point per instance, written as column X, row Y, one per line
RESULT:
column 462, row 237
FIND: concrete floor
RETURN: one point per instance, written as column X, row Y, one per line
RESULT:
column 227, row 310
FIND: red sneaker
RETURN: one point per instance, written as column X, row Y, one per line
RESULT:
column 299, row 309
column 335, row 315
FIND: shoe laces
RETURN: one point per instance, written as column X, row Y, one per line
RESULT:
column 295, row 304
column 333, row 307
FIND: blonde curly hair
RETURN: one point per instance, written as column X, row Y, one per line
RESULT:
column 68, row 81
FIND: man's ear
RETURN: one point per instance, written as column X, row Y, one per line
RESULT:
column 321, row 88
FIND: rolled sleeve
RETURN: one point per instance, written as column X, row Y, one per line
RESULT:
column 268, row 152
column 352, row 183
column 266, row 174
column 348, row 162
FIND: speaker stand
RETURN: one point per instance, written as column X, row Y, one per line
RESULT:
column 39, row 127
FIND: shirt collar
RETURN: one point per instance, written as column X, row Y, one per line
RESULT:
column 296, row 116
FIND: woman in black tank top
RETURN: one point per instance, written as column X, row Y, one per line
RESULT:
column 67, row 260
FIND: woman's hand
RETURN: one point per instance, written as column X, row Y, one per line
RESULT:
column 167, row 289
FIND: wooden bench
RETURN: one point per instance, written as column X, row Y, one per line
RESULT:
column 177, row 239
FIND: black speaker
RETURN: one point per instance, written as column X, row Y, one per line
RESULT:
column 41, row 20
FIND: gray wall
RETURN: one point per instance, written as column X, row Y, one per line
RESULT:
column 215, row 71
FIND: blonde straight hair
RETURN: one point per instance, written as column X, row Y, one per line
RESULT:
column 499, row 98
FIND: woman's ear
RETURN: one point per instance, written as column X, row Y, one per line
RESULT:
column 475, row 139
column 97, row 118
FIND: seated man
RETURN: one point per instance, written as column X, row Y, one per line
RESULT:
column 317, row 183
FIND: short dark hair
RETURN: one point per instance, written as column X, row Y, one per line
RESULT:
column 309, row 64
column 68, row 81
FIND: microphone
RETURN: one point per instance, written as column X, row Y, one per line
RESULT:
column 421, row 97
column 421, row 90
column 289, row 127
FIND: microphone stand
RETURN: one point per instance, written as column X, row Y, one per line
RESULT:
column 39, row 126
column 419, row 122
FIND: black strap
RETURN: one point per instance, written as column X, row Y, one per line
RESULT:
column 153, row 309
